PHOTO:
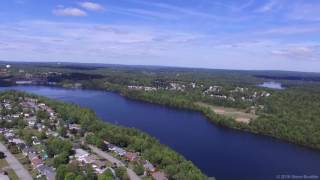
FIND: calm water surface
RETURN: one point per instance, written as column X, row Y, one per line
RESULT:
column 272, row 85
column 223, row 153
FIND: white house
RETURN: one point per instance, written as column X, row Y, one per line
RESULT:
column 81, row 154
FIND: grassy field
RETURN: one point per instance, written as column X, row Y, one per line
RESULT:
column 237, row 114
column 12, row 175
column 3, row 163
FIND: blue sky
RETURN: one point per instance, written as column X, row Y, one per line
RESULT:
column 224, row 34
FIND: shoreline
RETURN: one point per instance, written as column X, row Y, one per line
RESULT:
column 206, row 112
column 181, row 161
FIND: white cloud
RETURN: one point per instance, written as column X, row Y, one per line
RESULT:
column 125, row 44
column 300, row 52
column 91, row 6
column 102, row 40
column 268, row 6
column 145, row 13
column 169, row 10
column 289, row 30
column 69, row 12
column 305, row 11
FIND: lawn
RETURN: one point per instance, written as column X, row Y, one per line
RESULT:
column 3, row 163
column 4, row 166
column 237, row 114
column 12, row 175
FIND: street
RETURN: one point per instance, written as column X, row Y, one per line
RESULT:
column 132, row 175
column 18, row 168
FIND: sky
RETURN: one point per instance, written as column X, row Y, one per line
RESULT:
column 219, row 34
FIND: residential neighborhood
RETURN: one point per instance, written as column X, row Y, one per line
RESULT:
column 29, row 126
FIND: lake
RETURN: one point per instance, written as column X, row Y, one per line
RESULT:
column 271, row 85
column 220, row 152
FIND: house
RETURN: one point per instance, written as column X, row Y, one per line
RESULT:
column 110, row 147
column 36, row 162
column 80, row 154
column 7, row 106
column 52, row 133
column 20, row 143
column 50, row 111
column 31, row 100
column 40, row 127
column 32, row 155
column 35, row 140
column 148, row 166
column 90, row 159
column 8, row 135
column 31, row 121
column 16, row 141
column 21, row 146
column 131, row 156
column 47, row 171
column 28, row 150
column 74, row 127
column 30, row 105
column 99, row 166
column 150, row 89
column 2, row 130
column 159, row 176
column 118, row 150
column 42, row 106
column 15, row 116
column 44, row 155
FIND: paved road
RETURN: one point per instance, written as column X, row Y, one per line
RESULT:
column 132, row 175
column 14, row 164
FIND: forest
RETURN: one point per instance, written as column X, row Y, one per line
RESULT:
column 291, row 114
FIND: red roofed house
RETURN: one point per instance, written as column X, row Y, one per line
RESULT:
column 36, row 162
column 159, row 176
column 131, row 156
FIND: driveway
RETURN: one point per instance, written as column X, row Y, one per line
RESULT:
column 132, row 175
column 15, row 165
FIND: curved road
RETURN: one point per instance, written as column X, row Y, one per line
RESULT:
column 132, row 175
column 14, row 164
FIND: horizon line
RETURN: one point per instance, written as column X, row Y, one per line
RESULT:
column 163, row 66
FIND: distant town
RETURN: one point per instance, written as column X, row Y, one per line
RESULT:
column 235, row 94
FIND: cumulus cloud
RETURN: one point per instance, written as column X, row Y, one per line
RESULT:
column 128, row 44
column 51, row 39
column 91, row 6
column 69, row 12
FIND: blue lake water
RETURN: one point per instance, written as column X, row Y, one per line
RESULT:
column 272, row 85
column 220, row 152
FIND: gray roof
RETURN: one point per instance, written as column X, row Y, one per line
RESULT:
column 28, row 150
column 119, row 150
column 81, row 152
column 47, row 171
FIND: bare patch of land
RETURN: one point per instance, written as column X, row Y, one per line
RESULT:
column 238, row 115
